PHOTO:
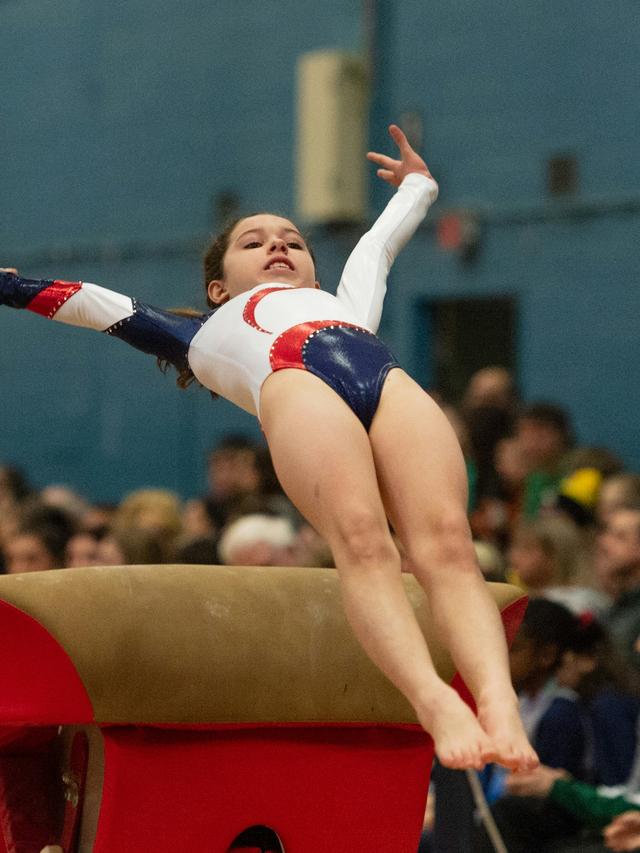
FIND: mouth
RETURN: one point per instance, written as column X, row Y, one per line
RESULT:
column 280, row 263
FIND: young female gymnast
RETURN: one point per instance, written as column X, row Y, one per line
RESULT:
column 354, row 441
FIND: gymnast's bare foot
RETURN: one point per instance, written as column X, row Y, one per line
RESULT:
column 460, row 742
column 500, row 719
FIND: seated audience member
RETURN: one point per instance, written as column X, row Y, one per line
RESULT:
column 65, row 498
column 311, row 550
column 14, row 491
column 198, row 551
column 545, row 435
column 98, row 517
column 156, row 511
column 35, row 548
column 258, row 540
column 585, row 469
column 14, row 487
column 548, row 557
column 461, row 430
column 82, row 549
column 488, row 409
column 491, row 386
column 233, row 470
column 490, row 560
column 620, row 491
column 554, row 722
column 131, row 546
column 624, row 832
column 617, row 562
column 592, row 806
column 608, row 691
column 496, row 515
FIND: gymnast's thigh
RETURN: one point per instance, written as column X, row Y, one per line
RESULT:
column 418, row 459
column 320, row 450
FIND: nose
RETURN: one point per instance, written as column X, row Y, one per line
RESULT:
column 278, row 244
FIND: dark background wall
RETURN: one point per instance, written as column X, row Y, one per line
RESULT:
column 124, row 126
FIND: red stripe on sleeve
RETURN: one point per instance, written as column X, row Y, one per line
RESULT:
column 49, row 300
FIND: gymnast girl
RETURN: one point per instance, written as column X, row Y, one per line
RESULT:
column 354, row 441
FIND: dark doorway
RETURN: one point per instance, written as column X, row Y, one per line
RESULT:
column 467, row 334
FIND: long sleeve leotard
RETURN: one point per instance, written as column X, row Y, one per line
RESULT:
column 230, row 350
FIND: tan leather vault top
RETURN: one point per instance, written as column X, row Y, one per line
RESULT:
column 218, row 644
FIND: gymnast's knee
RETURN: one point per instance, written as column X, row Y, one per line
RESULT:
column 443, row 544
column 364, row 540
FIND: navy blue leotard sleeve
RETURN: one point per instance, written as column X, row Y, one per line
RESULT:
column 152, row 330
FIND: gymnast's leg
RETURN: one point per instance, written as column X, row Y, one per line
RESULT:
column 322, row 455
column 423, row 483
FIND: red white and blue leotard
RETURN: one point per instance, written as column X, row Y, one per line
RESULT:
column 234, row 349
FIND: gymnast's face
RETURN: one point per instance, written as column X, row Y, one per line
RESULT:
column 263, row 249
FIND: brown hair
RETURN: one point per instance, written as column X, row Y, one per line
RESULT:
column 213, row 270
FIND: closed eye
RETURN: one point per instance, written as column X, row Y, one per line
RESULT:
column 295, row 245
column 254, row 244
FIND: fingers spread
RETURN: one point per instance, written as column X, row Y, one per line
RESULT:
column 387, row 175
column 398, row 136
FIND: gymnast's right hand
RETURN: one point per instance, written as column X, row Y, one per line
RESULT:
column 394, row 171
column 11, row 270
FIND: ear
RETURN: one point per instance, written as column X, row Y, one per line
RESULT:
column 217, row 292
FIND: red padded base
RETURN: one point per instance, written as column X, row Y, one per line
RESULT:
column 40, row 685
column 322, row 790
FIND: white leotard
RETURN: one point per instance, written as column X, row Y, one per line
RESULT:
column 228, row 350
column 230, row 356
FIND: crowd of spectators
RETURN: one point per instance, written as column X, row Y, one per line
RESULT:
column 557, row 518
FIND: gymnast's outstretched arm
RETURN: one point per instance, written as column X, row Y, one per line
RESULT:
column 364, row 280
column 152, row 330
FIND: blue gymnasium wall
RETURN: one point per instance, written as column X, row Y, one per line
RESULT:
column 122, row 121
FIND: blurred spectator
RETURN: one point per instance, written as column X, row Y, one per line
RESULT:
column 66, row 499
column 600, row 458
column 130, row 546
column 38, row 539
column 199, row 551
column 258, row 540
column 462, row 434
column 544, row 434
column 592, row 807
column 490, row 560
column 585, row 468
column 197, row 521
column 82, row 549
column 624, row 832
column 488, row 409
column 14, row 487
column 98, row 517
column 620, row 491
column 608, row 691
column 496, row 515
column 156, row 511
column 618, row 571
column 491, row 386
column 554, row 723
column 14, row 490
column 233, row 470
column 311, row 550
column 35, row 548
column 577, row 496
column 547, row 556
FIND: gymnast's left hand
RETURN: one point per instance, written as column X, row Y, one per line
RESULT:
column 11, row 270
column 395, row 171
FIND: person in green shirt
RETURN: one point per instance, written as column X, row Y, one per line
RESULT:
column 544, row 434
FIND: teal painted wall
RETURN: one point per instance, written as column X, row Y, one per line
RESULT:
column 123, row 122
